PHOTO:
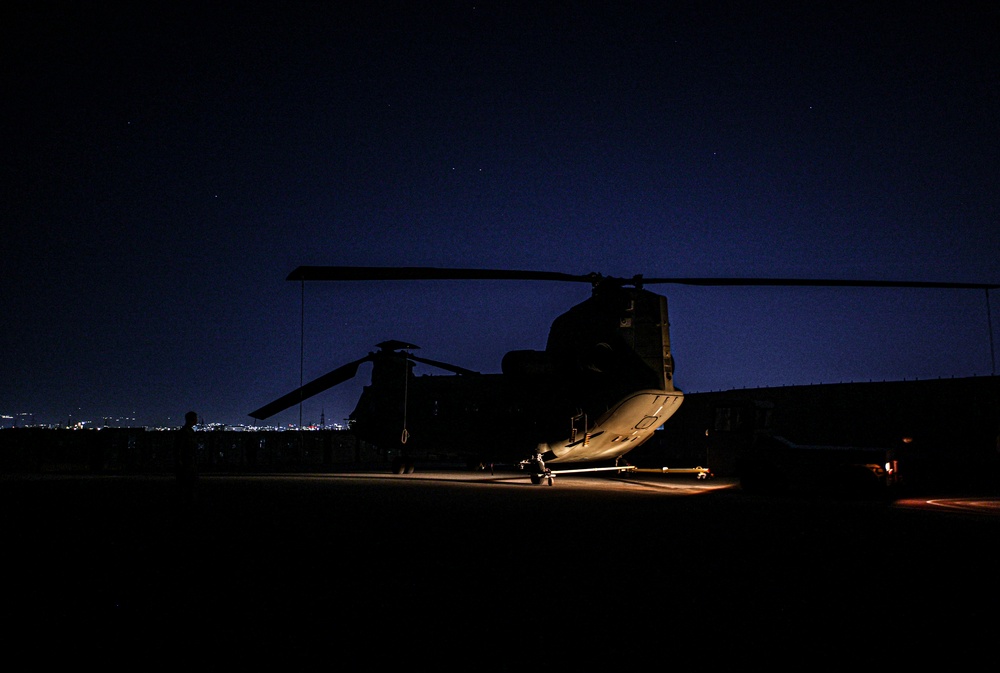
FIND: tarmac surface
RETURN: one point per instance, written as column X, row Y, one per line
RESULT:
column 473, row 571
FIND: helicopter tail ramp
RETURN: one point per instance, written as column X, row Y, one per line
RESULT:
column 622, row 429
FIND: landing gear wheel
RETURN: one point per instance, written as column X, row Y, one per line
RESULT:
column 539, row 472
column 538, row 477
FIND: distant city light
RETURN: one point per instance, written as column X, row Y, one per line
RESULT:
column 27, row 420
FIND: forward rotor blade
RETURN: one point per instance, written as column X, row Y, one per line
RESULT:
column 426, row 273
column 316, row 386
column 442, row 365
column 817, row 282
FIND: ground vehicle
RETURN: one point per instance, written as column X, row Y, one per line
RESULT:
column 741, row 442
column 775, row 463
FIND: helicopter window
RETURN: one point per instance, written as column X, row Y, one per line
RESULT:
column 646, row 422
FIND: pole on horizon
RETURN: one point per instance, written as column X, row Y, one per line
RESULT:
column 989, row 325
column 302, row 347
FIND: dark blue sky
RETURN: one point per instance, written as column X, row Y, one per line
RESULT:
column 166, row 165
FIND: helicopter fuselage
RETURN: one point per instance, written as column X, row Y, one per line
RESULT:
column 601, row 387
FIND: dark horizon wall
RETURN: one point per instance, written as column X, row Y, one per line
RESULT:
column 955, row 418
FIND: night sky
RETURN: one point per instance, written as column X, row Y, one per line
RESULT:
column 166, row 165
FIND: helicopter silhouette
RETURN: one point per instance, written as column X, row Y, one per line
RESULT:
column 601, row 387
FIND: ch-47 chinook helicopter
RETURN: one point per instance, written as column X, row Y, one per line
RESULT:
column 601, row 387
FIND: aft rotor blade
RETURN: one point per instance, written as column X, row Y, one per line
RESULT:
column 344, row 273
column 314, row 387
column 427, row 273
column 818, row 282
